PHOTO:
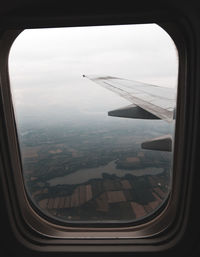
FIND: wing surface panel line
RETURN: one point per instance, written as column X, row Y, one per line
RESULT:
column 156, row 103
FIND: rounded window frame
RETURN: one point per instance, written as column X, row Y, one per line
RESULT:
column 66, row 238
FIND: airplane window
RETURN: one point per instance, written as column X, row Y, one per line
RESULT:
column 95, row 115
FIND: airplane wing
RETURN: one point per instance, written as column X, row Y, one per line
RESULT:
column 148, row 101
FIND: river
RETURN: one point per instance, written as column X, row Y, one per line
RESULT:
column 83, row 175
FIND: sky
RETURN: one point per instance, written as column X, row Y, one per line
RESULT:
column 46, row 68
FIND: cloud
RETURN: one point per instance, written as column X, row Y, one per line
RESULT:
column 46, row 65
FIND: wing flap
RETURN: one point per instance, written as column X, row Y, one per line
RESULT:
column 163, row 143
column 132, row 111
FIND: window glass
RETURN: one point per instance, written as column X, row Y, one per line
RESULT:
column 95, row 114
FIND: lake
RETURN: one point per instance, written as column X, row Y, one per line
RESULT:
column 83, row 175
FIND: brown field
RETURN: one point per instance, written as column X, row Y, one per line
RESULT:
column 30, row 152
column 140, row 154
column 74, row 152
column 132, row 159
column 55, row 151
column 116, row 196
column 126, row 184
column 138, row 209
